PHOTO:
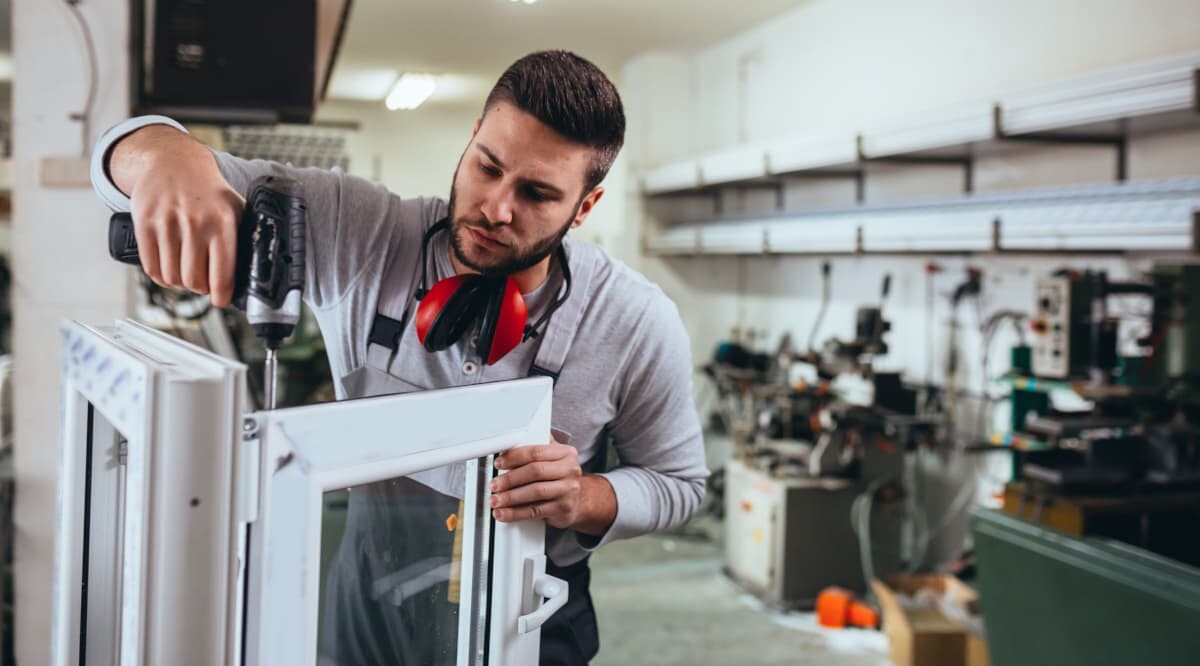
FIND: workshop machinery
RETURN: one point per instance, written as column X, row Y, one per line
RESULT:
column 1097, row 548
column 817, row 460
column 1142, row 433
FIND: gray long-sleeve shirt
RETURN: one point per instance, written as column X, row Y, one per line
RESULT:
column 627, row 376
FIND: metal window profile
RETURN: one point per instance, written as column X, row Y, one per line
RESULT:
column 1132, row 225
column 813, row 234
column 728, row 166
column 672, row 178
column 735, row 238
column 1143, row 216
column 929, row 230
column 944, row 128
column 807, row 153
column 683, row 239
column 1144, row 89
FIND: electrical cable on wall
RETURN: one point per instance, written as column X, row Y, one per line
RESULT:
column 812, row 336
column 85, row 117
column 988, row 332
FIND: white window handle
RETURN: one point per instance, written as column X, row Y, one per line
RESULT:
column 543, row 595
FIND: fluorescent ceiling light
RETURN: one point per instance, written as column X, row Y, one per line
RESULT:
column 361, row 83
column 528, row 2
column 410, row 91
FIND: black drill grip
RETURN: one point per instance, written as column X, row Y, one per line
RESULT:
column 270, row 242
column 122, row 245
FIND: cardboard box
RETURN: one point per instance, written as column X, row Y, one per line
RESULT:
column 926, row 636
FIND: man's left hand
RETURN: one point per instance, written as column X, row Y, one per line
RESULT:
column 543, row 481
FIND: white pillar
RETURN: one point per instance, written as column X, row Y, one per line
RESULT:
column 60, row 263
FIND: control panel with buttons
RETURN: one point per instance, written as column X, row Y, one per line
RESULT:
column 1051, row 326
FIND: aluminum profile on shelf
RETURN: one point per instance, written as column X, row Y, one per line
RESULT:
column 672, row 177
column 1145, row 89
column 937, row 129
column 929, row 230
column 743, row 237
column 681, row 239
column 1140, row 216
column 835, row 233
column 741, row 163
column 790, row 154
column 1107, row 220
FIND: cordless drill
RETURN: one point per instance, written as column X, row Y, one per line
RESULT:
column 269, row 271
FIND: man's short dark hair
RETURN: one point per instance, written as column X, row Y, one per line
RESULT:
column 571, row 96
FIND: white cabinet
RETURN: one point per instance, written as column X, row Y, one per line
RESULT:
column 189, row 532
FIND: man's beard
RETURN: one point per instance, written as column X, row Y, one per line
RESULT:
column 517, row 259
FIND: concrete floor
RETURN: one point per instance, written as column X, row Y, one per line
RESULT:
column 663, row 600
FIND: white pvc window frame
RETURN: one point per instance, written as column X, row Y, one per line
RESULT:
column 170, row 567
column 308, row 451
column 217, row 515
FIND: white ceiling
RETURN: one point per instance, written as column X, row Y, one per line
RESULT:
column 468, row 43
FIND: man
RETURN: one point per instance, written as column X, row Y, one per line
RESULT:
column 549, row 132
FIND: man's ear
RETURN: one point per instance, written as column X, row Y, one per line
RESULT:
column 475, row 130
column 586, row 205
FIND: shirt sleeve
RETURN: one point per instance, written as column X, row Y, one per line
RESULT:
column 349, row 221
column 660, row 480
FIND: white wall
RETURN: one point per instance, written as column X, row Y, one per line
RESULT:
column 841, row 64
column 413, row 152
column 61, row 266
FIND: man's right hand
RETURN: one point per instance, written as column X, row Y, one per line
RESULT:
column 185, row 214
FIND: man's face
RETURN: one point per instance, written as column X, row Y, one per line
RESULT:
column 517, row 190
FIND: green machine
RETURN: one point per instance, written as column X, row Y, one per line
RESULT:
column 1051, row 598
column 1145, row 425
column 1123, row 587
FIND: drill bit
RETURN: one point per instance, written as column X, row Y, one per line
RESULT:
column 269, row 370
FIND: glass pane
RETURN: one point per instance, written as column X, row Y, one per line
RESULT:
column 103, row 514
column 392, row 569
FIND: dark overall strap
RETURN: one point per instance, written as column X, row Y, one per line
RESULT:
column 561, row 329
column 392, row 313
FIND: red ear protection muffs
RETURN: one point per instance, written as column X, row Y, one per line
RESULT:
column 455, row 305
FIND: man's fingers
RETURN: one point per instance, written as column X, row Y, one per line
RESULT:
column 528, row 512
column 523, row 455
column 168, row 251
column 194, row 261
column 221, row 256
column 533, row 493
column 147, row 244
column 536, row 471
